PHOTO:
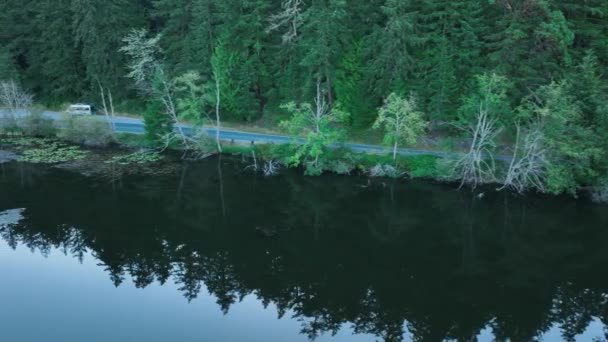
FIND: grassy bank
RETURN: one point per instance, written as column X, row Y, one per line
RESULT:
column 64, row 139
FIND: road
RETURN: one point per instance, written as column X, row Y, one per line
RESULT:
column 136, row 126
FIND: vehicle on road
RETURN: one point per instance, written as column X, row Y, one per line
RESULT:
column 81, row 109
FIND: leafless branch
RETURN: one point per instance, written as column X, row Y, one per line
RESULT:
column 289, row 17
column 528, row 165
column 477, row 166
column 14, row 98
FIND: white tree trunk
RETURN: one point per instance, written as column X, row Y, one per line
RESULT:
column 217, row 113
column 477, row 166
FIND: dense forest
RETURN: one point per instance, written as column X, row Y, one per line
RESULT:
column 527, row 73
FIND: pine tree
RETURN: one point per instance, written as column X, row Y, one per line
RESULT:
column 588, row 86
column 8, row 69
column 450, row 54
column 321, row 45
column 17, row 36
column 352, row 91
column 175, row 19
column 244, row 39
column 99, row 27
column 587, row 19
column 56, row 64
column 531, row 31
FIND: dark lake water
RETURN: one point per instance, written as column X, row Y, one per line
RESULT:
column 207, row 252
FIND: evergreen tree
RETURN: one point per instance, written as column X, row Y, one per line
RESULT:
column 587, row 19
column 352, row 90
column 322, row 36
column 54, row 60
column 395, row 44
column 450, row 53
column 8, row 69
column 244, row 38
column 531, row 31
column 17, row 36
column 175, row 19
column 99, row 27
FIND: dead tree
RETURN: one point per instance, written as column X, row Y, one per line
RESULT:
column 290, row 17
column 477, row 166
column 109, row 114
column 218, row 123
column 528, row 165
column 14, row 98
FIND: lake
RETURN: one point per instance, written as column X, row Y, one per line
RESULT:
column 210, row 252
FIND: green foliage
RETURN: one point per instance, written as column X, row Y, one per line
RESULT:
column 395, row 43
column 401, row 122
column 352, row 90
column 489, row 95
column 132, row 140
column 36, row 125
column 235, row 100
column 98, row 29
column 571, row 144
column 319, row 127
column 8, row 69
column 9, row 125
column 423, row 166
column 193, row 97
column 599, row 193
column 457, row 56
column 86, row 130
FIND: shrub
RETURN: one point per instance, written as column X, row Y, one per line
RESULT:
column 341, row 167
column 36, row 125
column 599, row 193
column 9, row 125
column 156, row 123
column 422, row 166
column 87, row 130
column 385, row 170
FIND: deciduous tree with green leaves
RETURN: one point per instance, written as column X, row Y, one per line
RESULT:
column 401, row 121
column 314, row 129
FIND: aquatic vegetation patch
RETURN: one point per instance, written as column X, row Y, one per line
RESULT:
column 25, row 142
column 141, row 157
column 52, row 153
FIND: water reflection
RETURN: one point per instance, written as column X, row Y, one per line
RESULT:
column 390, row 259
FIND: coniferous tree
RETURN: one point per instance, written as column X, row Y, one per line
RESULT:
column 178, row 23
column 321, row 44
column 54, row 60
column 99, row 27
column 395, row 43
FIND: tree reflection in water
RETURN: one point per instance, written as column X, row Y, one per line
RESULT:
column 385, row 258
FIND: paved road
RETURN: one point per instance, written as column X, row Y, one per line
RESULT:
column 136, row 126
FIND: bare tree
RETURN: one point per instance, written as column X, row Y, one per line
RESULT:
column 149, row 76
column 528, row 165
column 144, row 58
column 290, row 17
column 477, row 166
column 218, row 123
column 271, row 167
column 14, row 98
column 109, row 114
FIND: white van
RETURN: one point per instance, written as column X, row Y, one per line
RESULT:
column 81, row 109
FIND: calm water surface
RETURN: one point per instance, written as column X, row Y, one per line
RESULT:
column 207, row 252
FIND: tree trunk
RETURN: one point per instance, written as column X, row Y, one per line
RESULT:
column 217, row 113
column 395, row 151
